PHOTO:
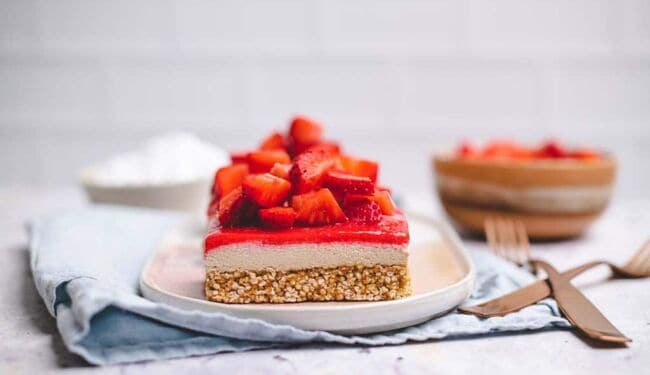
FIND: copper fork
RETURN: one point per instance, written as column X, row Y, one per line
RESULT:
column 507, row 239
column 638, row 266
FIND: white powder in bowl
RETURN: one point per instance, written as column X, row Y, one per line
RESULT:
column 168, row 159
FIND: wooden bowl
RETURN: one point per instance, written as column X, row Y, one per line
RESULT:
column 554, row 198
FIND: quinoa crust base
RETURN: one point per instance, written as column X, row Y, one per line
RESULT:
column 345, row 283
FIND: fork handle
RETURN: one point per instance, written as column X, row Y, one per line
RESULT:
column 523, row 297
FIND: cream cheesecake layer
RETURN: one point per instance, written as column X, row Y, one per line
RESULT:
column 254, row 256
column 557, row 199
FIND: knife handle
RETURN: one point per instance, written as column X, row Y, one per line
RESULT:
column 583, row 314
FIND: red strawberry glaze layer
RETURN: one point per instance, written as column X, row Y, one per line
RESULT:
column 391, row 230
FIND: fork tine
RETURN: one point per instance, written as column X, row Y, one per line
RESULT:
column 524, row 244
column 640, row 261
column 510, row 240
column 490, row 235
column 498, row 245
column 644, row 263
column 502, row 238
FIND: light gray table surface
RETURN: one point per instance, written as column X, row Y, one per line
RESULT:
column 29, row 341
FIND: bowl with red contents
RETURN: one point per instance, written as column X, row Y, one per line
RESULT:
column 555, row 190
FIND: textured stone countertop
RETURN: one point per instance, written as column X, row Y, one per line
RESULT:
column 29, row 342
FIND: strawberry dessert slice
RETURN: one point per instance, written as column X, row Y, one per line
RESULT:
column 296, row 220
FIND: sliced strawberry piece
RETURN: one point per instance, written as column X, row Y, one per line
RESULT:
column 262, row 161
column 360, row 167
column 330, row 147
column 228, row 179
column 213, row 208
column 266, row 190
column 466, row 149
column 552, row 149
column 382, row 197
column 231, row 208
column 281, row 170
column 275, row 141
column 239, row 157
column 385, row 202
column 383, row 188
column 342, row 182
column 305, row 131
column 317, row 208
column 277, row 217
column 584, row 153
column 309, row 170
column 363, row 210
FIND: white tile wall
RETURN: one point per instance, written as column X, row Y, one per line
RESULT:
column 542, row 27
column 392, row 28
column 81, row 79
column 635, row 27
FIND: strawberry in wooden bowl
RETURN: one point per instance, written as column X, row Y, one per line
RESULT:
column 555, row 190
column 299, row 220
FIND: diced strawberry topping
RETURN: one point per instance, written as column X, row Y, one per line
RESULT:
column 317, row 208
column 281, row 170
column 305, row 131
column 584, row 153
column 346, row 183
column 383, row 188
column 275, row 141
column 239, row 157
column 552, row 149
column 262, row 161
column 360, row 167
column 309, row 170
column 363, row 210
column 277, row 217
column 297, row 178
column 228, row 179
column 266, row 190
column 231, row 208
column 466, row 149
column 385, row 202
column 381, row 197
column 330, row 147
column 213, row 208
column 507, row 149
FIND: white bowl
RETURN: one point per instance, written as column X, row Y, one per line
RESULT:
column 192, row 196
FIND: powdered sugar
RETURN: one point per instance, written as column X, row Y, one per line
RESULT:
column 168, row 159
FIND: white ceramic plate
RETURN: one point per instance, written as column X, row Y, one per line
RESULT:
column 442, row 277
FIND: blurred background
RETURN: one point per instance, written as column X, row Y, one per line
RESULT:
column 83, row 79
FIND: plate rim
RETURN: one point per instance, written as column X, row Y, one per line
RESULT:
column 445, row 229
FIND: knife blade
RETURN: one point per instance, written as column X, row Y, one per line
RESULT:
column 583, row 314
column 523, row 297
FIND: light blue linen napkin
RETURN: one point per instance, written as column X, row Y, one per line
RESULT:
column 86, row 265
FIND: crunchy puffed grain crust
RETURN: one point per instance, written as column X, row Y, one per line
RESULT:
column 345, row 283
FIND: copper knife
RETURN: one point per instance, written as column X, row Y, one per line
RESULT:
column 578, row 309
column 523, row 297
